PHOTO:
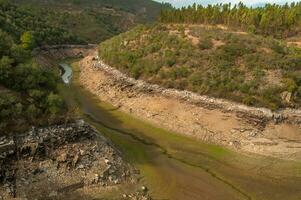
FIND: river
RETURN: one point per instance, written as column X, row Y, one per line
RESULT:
column 176, row 167
column 67, row 75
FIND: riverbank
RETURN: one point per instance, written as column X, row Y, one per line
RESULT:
column 236, row 126
column 178, row 167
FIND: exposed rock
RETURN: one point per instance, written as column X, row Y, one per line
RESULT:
column 286, row 96
column 139, row 195
column 64, row 158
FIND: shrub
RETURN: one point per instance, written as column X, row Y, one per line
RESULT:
column 55, row 104
column 290, row 85
column 205, row 44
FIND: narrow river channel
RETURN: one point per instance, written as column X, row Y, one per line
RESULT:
column 176, row 167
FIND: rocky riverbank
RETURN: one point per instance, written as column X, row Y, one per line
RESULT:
column 69, row 161
column 248, row 129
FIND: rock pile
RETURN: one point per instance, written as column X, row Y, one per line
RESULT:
column 49, row 162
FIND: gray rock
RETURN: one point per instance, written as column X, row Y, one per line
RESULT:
column 53, row 194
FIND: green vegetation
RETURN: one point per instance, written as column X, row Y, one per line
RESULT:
column 22, row 23
column 28, row 93
column 279, row 21
column 242, row 67
column 94, row 20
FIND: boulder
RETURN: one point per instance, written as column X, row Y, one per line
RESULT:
column 286, row 96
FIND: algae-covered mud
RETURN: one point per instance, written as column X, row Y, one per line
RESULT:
column 177, row 167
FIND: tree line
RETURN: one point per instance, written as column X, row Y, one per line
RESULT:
column 277, row 20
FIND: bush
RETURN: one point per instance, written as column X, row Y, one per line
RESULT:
column 290, row 85
column 205, row 44
column 55, row 104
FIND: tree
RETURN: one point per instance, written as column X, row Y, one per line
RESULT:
column 55, row 104
column 19, row 54
column 276, row 20
column 5, row 43
column 28, row 41
column 5, row 69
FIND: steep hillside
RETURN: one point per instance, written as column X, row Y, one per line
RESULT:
column 28, row 93
column 95, row 20
column 208, row 60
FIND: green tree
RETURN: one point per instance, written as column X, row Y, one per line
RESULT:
column 5, row 43
column 55, row 104
column 28, row 41
column 19, row 53
column 5, row 70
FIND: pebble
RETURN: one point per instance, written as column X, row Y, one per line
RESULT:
column 53, row 194
column 144, row 188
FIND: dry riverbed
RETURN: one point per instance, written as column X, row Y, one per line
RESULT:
column 244, row 131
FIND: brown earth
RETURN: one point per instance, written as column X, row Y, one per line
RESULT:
column 256, row 130
column 296, row 43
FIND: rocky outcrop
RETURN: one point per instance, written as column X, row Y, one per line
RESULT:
column 52, row 162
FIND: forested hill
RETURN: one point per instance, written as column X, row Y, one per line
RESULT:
column 16, row 22
column 28, row 94
column 95, row 20
column 276, row 20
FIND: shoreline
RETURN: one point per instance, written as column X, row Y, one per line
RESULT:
column 243, row 128
column 287, row 114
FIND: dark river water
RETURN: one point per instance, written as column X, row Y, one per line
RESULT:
column 176, row 167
